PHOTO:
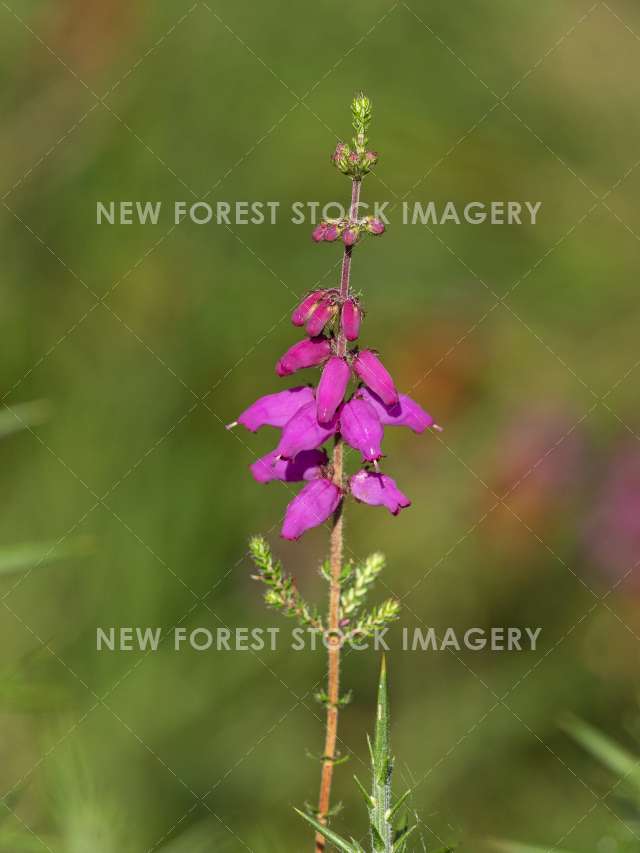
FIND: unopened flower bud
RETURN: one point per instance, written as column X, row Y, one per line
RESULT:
column 306, row 307
column 375, row 226
column 317, row 235
column 349, row 236
column 307, row 353
column 331, row 233
column 351, row 317
column 319, row 317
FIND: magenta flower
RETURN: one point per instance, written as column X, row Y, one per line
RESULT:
column 307, row 353
column 317, row 501
column 331, row 388
column 361, row 428
column 375, row 226
column 305, row 466
column 350, row 319
column 275, row 409
column 406, row 412
column 349, row 236
column 378, row 490
column 375, row 375
column 306, row 307
column 319, row 317
column 331, row 233
column 303, row 432
column 317, row 235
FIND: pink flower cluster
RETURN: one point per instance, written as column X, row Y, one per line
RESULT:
column 308, row 417
column 348, row 230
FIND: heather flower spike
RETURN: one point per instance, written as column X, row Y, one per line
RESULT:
column 331, row 418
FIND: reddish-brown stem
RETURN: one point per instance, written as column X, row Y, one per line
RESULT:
column 335, row 562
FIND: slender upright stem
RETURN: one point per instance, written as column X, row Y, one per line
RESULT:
column 335, row 562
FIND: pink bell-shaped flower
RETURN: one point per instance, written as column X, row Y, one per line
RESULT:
column 317, row 501
column 275, row 409
column 378, row 490
column 307, row 353
column 305, row 466
column 331, row 388
column 361, row 428
column 406, row 412
column 303, row 432
column 374, row 374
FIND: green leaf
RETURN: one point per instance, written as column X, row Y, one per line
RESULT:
column 329, row 834
column 31, row 555
column 400, row 842
column 621, row 762
column 394, row 811
column 381, row 744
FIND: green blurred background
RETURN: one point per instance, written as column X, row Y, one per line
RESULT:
column 138, row 343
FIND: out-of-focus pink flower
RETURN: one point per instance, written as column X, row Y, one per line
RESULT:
column 319, row 317
column 307, row 353
column 350, row 319
column 317, row 501
column 375, row 375
column 305, row 466
column 331, row 233
column 331, row 388
column 378, row 490
column 361, row 429
column 306, row 307
column 275, row 409
column 613, row 529
column 303, row 432
column 406, row 412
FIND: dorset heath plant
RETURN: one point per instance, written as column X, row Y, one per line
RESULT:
column 353, row 401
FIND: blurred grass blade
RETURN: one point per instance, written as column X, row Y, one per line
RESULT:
column 29, row 555
column 22, row 416
column 621, row 762
column 514, row 847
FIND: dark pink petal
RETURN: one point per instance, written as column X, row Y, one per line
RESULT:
column 305, row 466
column 351, row 320
column 378, row 490
column 373, row 373
column 361, row 428
column 319, row 317
column 332, row 387
column 307, row 353
column 406, row 412
column 275, row 409
column 317, row 501
column 304, row 309
column 331, row 233
column 303, row 432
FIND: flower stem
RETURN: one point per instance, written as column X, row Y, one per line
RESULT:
column 335, row 560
